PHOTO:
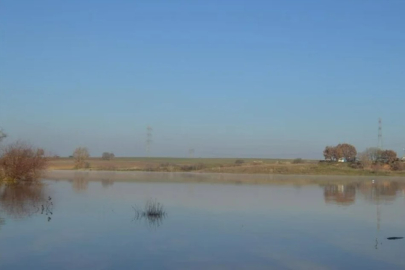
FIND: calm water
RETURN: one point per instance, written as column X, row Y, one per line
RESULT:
column 292, row 223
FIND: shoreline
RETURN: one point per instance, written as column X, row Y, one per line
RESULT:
column 219, row 178
column 232, row 166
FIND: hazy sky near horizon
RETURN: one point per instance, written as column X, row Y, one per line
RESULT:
column 230, row 78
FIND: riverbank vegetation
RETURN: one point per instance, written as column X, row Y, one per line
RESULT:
column 238, row 166
column 20, row 162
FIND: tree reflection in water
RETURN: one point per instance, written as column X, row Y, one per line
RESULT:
column 25, row 199
column 80, row 181
column 375, row 192
column 340, row 194
column 2, row 221
column 107, row 182
column 153, row 214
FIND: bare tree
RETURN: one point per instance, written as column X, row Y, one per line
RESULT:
column 365, row 159
column 107, row 156
column 329, row 152
column 80, row 155
column 373, row 153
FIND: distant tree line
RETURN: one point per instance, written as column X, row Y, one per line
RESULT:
column 370, row 157
column 377, row 155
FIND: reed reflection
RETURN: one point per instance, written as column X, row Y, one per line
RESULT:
column 153, row 214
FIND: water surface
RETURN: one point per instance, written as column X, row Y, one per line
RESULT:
column 289, row 223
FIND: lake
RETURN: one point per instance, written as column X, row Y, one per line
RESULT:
column 95, row 221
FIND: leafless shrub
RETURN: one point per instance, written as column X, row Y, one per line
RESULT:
column 21, row 162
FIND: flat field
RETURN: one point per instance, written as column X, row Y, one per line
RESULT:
column 221, row 165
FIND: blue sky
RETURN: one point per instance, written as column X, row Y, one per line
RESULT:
column 277, row 79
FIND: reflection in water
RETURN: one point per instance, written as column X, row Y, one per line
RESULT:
column 107, row 183
column 374, row 191
column 47, row 208
column 80, row 182
column 153, row 214
column 211, row 226
column 21, row 200
column 381, row 191
column 340, row 194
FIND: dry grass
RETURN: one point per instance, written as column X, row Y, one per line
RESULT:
column 160, row 164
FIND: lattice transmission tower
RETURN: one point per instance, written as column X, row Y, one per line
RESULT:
column 380, row 137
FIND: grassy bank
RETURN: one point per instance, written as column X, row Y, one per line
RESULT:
column 225, row 165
